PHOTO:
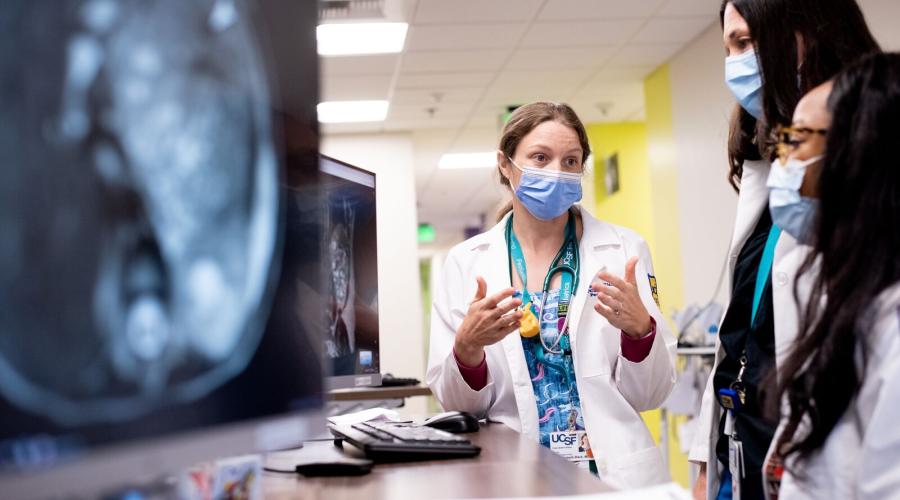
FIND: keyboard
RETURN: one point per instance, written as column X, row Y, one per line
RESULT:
column 403, row 441
column 387, row 380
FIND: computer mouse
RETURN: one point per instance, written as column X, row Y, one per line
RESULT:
column 454, row 421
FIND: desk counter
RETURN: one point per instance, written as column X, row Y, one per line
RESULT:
column 509, row 466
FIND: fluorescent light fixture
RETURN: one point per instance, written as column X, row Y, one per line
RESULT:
column 352, row 111
column 349, row 39
column 468, row 160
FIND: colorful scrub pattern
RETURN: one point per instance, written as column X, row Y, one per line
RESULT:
column 558, row 402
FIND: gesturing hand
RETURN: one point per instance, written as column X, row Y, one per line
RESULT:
column 620, row 303
column 487, row 322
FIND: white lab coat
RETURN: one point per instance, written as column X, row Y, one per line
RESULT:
column 613, row 390
column 789, row 256
column 859, row 459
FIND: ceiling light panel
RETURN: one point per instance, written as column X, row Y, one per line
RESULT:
column 347, row 39
column 352, row 111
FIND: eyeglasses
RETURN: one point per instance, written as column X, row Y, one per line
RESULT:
column 788, row 138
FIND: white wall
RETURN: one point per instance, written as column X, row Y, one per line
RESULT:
column 701, row 105
column 390, row 156
column 882, row 17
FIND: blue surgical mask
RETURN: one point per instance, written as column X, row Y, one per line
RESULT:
column 790, row 211
column 547, row 194
column 743, row 79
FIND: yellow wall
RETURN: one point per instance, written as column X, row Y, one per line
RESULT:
column 661, row 154
column 631, row 205
column 647, row 202
column 664, row 188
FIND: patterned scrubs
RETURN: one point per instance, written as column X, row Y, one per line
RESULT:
column 558, row 402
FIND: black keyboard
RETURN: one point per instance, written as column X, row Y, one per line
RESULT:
column 389, row 381
column 397, row 442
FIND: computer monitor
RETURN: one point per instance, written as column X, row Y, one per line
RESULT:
column 351, row 339
column 162, row 237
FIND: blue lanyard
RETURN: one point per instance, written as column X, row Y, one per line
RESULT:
column 565, row 263
column 732, row 397
column 765, row 268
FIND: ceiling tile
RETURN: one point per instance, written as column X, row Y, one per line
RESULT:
column 382, row 64
column 485, row 117
column 638, row 115
column 619, row 73
column 563, row 10
column 475, row 139
column 679, row 31
column 421, row 124
column 559, row 58
column 440, row 112
column 443, row 80
column 349, row 88
column 460, row 60
column 474, row 11
column 644, row 55
column 518, row 87
column 463, row 36
column 683, row 8
column 454, row 191
column 572, row 34
column 604, row 105
column 609, row 91
column 436, row 96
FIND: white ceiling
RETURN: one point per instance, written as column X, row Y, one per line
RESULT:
column 465, row 61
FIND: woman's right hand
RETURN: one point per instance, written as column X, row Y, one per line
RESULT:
column 488, row 321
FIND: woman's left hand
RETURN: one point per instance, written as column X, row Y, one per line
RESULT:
column 621, row 304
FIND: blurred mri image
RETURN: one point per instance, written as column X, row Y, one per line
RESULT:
column 139, row 203
column 351, row 286
column 341, row 340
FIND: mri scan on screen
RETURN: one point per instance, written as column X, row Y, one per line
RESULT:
column 139, row 203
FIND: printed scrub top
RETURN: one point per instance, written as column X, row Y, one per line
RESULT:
column 560, row 423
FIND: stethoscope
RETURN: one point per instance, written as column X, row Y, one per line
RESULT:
column 560, row 264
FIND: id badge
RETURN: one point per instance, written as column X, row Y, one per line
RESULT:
column 773, row 471
column 571, row 445
column 735, row 466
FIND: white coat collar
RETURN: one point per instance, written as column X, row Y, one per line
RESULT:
column 596, row 233
column 752, row 201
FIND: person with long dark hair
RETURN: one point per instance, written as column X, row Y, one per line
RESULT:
column 777, row 50
column 840, row 432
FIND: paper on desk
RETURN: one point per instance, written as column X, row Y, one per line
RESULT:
column 372, row 414
column 668, row 491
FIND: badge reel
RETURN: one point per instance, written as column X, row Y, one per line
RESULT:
column 733, row 400
column 529, row 325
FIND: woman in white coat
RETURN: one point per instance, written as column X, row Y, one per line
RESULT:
column 839, row 435
column 548, row 321
column 777, row 50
